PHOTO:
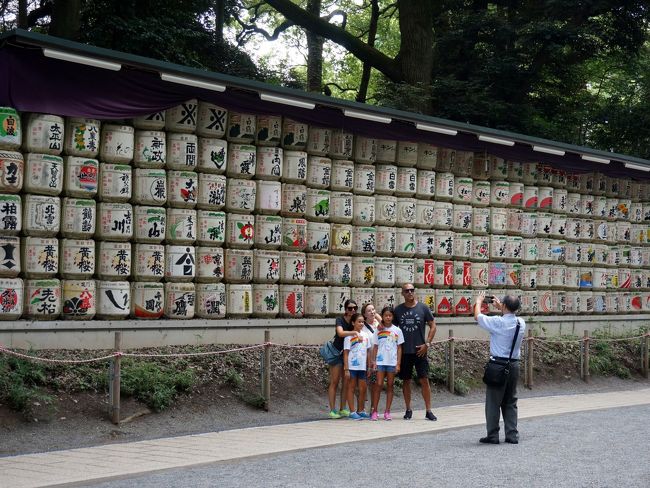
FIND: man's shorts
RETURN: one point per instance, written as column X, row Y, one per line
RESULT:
column 358, row 373
column 406, row 367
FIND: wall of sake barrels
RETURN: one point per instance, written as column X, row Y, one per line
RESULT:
column 198, row 212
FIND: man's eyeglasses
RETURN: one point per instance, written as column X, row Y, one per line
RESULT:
column 409, row 290
column 353, row 308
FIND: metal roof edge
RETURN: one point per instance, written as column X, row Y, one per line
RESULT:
column 142, row 62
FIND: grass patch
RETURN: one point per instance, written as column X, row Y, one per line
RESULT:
column 21, row 385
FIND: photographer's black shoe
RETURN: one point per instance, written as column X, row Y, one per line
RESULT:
column 408, row 415
column 429, row 415
column 488, row 440
column 512, row 441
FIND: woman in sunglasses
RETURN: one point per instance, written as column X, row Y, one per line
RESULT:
column 344, row 329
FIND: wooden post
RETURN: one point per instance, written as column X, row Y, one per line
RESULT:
column 115, row 404
column 529, row 359
column 451, row 373
column 646, row 354
column 267, row 371
column 585, row 361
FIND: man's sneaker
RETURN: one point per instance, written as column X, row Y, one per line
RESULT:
column 355, row 416
column 334, row 414
column 344, row 413
column 373, row 415
column 429, row 415
column 364, row 415
column 387, row 415
column 408, row 415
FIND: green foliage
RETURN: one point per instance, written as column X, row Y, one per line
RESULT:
column 461, row 386
column 438, row 374
column 603, row 361
column 255, row 400
column 21, row 385
column 233, row 378
column 155, row 384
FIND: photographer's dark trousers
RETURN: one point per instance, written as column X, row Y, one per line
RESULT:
column 503, row 400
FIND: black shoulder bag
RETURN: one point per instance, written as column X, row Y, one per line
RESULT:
column 496, row 372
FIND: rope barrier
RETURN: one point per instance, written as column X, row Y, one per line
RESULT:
column 190, row 354
column 58, row 361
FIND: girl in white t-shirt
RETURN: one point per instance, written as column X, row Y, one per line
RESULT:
column 386, row 358
column 355, row 360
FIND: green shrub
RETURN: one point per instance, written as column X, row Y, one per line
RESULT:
column 233, row 378
column 20, row 385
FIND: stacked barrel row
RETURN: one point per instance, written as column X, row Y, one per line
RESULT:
column 197, row 211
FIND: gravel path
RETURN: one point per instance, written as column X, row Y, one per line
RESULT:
column 588, row 449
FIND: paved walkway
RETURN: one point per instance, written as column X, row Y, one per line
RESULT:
column 115, row 460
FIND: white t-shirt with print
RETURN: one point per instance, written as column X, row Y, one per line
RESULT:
column 387, row 341
column 358, row 351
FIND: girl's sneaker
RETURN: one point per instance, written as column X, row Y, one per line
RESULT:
column 344, row 413
column 364, row 415
column 387, row 415
column 373, row 416
column 334, row 414
column 355, row 416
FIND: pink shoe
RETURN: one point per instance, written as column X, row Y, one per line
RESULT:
column 387, row 415
column 374, row 415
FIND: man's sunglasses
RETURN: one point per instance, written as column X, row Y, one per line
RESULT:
column 409, row 290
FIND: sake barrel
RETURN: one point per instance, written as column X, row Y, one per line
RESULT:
column 384, row 297
column 481, row 193
column 514, row 218
column 544, row 251
column 514, row 248
column 572, row 302
column 603, row 231
column 444, row 302
column 529, row 251
column 240, row 230
column 385, row 272
column 573, row 229
column 587, row 205
column 528, row 277
column 446, row 159
column 424, row 243
column 586, row 304
column 636, row 191
column 479, row 275
column 115, row 221
column 292, row 301
column 210, row 300
column 42, row 299
column 317, row 204
column 113, row 300
column 269, row 163
column 115, row 183
column 531, row 195
column 241, row 161
column 180, row 301
column 498, row 220
column 114, row 260
column 211, row 228
column 317, row 269
column 498, row 246
column 318, row 141
column 602, row 254
column 154, row 121
column 150, row 149
column 149, row 262
column 462, row 274
column 10, row 256
column 558, row 300
column 558, row 227
column 337, row 297
column 79, row 299
column 497, row 275
column 624, row 209
column 515, row 171
column 529, row 304
column 406, row 212
column 340, row 270
column 386, row 240
column 425, row 214
column 500, row 194
column 294, row 134
column 405, row 242
column 341, row 239
column 407, row 153
column 636, row 302
column 529, row 173
column 211, row 120
column 599, row 278
column 212, row 192
column 266, row 266
column 513, row 275
column 559, row 203
column 342, row 175
column 239, row 300
column 480, row 250
column 292, row 267
column 624, row 278
column 182, row 117
column 363, row 271
column 558, row 277
column 498, row 168
column 424, row 272
column 78, row 219
column 636, row 258
column 573, row 251
column 11, row 171
column 365, row 149
column 181, row 227
column 386, row 179
column 444, row 186
column 150, row 224
column 268, row 197
column 294, row 167
column 319, row 172
column 341, row 207
column 268, row 231
column 266, row 300
column 240, row 195
column 40, row 256
column 516, row 195
column 181, row 151
column 443, row 274
column 600, row 209
column 43, row 174
column 404, row 271
column 462, row 246
column 623, row 232
column 406, row 185
column 294, row 200
column 545, row 301
column 294, row 234
column 611, row 186
column 544, row 222
column 238, row 265
column 318, row 237
column 268, row 130
column 588, row 230
column 81, row 177
column 464, row 163
column 600, row 302
column 463, row 190
column 364, row 179
column 364, row 241
column 180, row 263
column 624, row 188
column 118, row 143
column 150, row 187
column 480, row 221
column 427, row 156
column 212, row 155
column 544, row 174
column 572, row 182
column 386, row 151
column 443, row 244
column 44, row 134
column 385, row 209
column 481, row 166
column 558, row 178
column 82, row 137
column 612, row 210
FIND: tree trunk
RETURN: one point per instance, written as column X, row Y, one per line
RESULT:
column 416, row 49
column 66, row 19
column 220, row 18
column 22, row 14
column 314, row 52
column 372, row 35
